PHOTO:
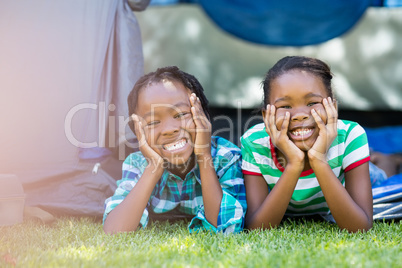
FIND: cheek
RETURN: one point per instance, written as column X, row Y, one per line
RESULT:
column 188, row 123
column 321, row 112
column 191, row 128
column 280, row 117
column 150, row 137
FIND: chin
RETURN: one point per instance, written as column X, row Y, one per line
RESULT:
column 179, row 160
column 304, row 145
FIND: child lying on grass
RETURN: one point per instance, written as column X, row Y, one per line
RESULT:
column 180, row 169
column 302, row 160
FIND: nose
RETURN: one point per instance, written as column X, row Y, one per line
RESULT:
column 171, row 127
column 300, row 114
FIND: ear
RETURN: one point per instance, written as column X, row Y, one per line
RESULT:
column 336, row 104
column 263, row 111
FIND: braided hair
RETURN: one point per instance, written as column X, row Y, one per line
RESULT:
column 313, row 66
column 170, row 73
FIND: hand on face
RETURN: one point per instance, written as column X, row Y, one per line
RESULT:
column 152, row 157
column 279, row 137
column 327, row 131
column 202, row 143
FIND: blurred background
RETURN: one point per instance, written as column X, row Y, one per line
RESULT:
column 360, row 40
column 66, row 68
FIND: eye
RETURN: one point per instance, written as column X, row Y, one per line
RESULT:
column 313, row 103
column 180, row 115
column 152, row 123
column 284, row 107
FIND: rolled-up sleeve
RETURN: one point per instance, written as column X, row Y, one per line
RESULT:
column 132, row 172
column 233, row 205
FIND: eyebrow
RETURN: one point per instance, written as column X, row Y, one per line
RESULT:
column 179, row 104
column 309, row 95
column 282, row 99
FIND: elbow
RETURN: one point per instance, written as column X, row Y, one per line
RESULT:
column 109, row 231
column 252, row 223
column 107, row 227
column 358, row 230
column 364, row 227
column 260, row 226
column 368, row 226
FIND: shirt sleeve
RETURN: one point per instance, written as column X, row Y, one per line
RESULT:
column 249, row 164
column 131, row 174
column 233, row 205
column 357, row 150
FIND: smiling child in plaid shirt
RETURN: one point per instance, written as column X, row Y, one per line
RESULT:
column 180, row 170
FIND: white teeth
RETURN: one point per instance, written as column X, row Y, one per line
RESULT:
column 176, row 145
column 302, row 132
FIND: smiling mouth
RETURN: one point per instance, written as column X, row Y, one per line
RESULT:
column 175, row 145
column 301, row 133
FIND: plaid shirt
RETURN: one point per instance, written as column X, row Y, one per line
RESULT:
column 172, row 193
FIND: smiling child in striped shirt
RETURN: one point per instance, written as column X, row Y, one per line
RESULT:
column 303, row 160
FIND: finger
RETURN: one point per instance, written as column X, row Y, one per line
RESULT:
column 139, row 131
column 266, row 119
column 195, row 101
column 330, row 110
column 271, row 120
column 334, row 110
column 196, row 119
column 198, row 113
column 200, row 110
column 199, row 120
column 195, row 112
column 333, row 117
column 285, row 124
column 318, row 120
column 192, row 99
column 136, row 121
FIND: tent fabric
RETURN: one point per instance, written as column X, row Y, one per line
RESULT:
column 138, row 5
column 389, row 187
column 388, row 199
column 392, row 3
column 387, row 196
column 374, row 3
column 65, row 72
column 286, row 23
column 385, row 139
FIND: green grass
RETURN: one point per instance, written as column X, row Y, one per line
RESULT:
column 81, row 243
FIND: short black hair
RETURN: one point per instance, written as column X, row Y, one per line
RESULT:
column 170, row 73
column 314, row 66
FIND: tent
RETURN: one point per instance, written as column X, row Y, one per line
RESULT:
column 195, row 41
column 67, row 67
column 65, row 71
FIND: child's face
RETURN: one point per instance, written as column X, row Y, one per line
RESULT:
column 164, row 109
column 297, row 92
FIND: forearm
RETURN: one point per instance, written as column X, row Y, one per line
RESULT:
column 127, row 215
column 211, row 189
column 272, row 210
column 346, row 212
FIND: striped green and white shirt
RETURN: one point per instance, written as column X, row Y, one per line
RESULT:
column 349, row 150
